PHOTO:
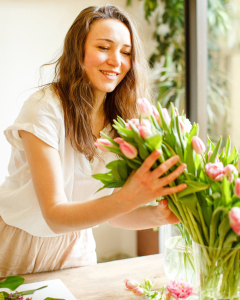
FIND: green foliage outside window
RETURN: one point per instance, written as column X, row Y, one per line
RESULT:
column 168, row 60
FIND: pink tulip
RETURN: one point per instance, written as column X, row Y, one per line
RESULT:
column 131, row 284
column 231, row 172
column 146, row 123
column 134, row 122
column 234, row 218
column 127, row 125
column 179, row 289
column 166, row 117
column 138, row 291
column 198, row 145
column 209, row 154
column 183, row 127
column 144, row 131
column 216, row 171
column 237, row 187
column 119, row 140
column 156, row 113
column 100, row 143
column 128, row 150
column 145, row 107
column 176, row 111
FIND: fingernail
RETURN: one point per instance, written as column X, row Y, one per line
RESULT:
column 164, row 202
column 184, row 166
column 159, row 151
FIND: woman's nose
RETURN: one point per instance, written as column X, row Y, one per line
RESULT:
column 114, row 59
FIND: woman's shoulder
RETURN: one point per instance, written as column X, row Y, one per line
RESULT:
column 44, row 97
column 44, row 101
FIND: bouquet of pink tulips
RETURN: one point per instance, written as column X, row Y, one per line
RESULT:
column 212, row 178
column 209, row 207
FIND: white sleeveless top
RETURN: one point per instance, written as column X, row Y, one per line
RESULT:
column 42, row 115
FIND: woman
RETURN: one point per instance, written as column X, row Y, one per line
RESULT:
column 46, row 215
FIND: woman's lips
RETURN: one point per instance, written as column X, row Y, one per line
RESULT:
column 110, row 75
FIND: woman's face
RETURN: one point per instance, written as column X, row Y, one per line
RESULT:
column 107, row 55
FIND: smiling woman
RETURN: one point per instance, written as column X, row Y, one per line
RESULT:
column 48, row 203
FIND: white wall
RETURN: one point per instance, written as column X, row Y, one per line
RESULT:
column 32, row 32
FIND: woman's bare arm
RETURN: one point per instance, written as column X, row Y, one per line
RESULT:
column 142, row 187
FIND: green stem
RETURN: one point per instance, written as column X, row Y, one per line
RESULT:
column 203, row 223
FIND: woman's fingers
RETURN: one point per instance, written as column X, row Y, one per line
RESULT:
column 171, row 190
column 172, row 176
column 164, row 167
column 149, row 161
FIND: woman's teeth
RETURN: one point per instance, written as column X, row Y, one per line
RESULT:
column 109, row 73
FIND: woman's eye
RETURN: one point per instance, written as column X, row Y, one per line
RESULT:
column 127, row 53
column 103, row 48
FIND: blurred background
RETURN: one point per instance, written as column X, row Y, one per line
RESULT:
column 33, row 32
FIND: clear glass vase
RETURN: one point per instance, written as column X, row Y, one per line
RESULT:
column 178, row 255
column 217, row 272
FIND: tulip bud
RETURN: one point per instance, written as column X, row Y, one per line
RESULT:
column 146, row 122
column 209, row 154
column 166, row 117
column 231, row 172
column 216, row 171
column 182, row 127
column 138, row 291
column 127, row 125
column 144, row 131
column 131, row 284
column 234, row 218
column 134, row 122
column 128, row 150
column 100, row 143
column 176, row 111
column 119, row 140
column 198, row 145
column 145, row 107
column 156, row 113
column 237, row 187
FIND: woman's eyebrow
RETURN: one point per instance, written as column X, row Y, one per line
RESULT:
column 108, row 40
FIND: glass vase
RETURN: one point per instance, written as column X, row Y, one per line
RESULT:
column 178, row 255
column 217, row 272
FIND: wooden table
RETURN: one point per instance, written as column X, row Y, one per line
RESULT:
column 105, row 280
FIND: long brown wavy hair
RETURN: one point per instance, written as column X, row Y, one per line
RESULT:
column 72, row 86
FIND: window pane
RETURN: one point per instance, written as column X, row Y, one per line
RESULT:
column 224, row 70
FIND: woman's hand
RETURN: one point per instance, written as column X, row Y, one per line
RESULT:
column 144, row 185
column 164, row 214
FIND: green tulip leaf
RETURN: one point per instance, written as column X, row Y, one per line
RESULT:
column 116, row 175
column 193, row 187
column 154, row 141
column 230, row 239
column 121, row 121
column 189, row 153
column 104, row 177
column 226, row 192
column 215, row 151
column 12, row 282
column 228, row 147
column 231, row 157
column 30, row 292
